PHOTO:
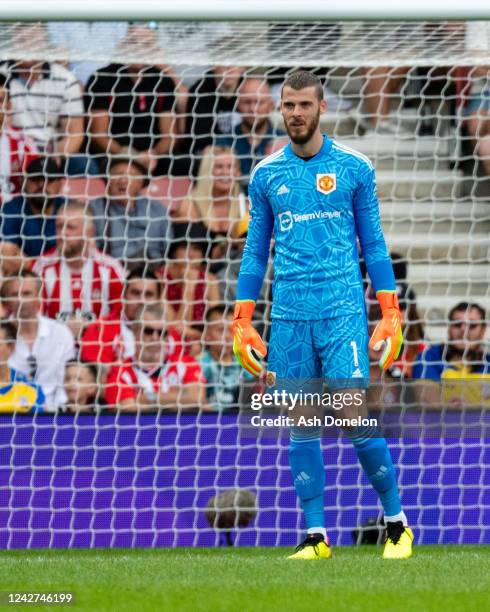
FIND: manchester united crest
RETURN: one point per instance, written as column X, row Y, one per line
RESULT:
column 326, row 183
column 270, row 378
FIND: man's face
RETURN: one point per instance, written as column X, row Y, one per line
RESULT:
column 125, row 182
column 150, row 336
column 6, row 348
column 39, row 191
column 4, row 105
column 301, row 112
column 22, row 298
column 466, row 329
column 71, row 232
column 219, row 338
column 139, row 291
column 227, row 78
column 255, row 103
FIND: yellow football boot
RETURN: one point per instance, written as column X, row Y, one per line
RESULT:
column 399, row 541
column 313, row 547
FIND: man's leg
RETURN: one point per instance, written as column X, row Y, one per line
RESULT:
column 294, row 365
column 343, row 348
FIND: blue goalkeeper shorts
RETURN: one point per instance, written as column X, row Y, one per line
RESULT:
column 334, row 351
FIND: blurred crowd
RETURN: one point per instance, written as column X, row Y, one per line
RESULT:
column 116, row 290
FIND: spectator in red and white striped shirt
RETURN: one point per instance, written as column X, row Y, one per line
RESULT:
column 16, row 149
column 79, row 282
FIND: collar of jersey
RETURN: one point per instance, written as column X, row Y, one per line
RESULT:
column 325, row 148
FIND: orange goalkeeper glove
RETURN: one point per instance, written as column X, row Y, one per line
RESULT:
column 247, row 344
column 389, row 330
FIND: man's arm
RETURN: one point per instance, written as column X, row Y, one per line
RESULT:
column 166, row 124
column 98, row 128
column 73, row 132
column 388, row 332
column 248, row 346
column 370, row 233
column 71, row 123
column 256, row 251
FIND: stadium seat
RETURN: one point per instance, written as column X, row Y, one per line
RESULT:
column 83, row 187
column 169, row 190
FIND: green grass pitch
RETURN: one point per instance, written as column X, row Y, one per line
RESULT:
column 436, row 578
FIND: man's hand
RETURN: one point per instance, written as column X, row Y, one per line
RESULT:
column 247, row 344
column 389, row 330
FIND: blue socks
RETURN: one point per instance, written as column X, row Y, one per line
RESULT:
column 307, row 467
column 375, row 458
column 308, row 470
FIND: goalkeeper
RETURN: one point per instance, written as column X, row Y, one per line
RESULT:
column 317, row 196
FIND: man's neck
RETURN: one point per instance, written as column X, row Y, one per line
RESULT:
column 4, row 373
column 310, row 148
column 75, row 263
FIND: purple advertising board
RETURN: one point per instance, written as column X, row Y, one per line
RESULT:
column 145, row 481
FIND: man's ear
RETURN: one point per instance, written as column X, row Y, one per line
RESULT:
column 323, row 106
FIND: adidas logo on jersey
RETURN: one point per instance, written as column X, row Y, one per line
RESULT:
column 357, row 373
column 282, row 190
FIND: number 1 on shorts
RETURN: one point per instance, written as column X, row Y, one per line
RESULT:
column 354, row 351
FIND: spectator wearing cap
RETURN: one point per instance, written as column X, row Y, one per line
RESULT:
column 43, row 346
column 189, row 287
column 29, row 220
column 128, row 225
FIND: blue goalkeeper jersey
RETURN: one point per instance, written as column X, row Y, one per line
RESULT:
column 316, row 209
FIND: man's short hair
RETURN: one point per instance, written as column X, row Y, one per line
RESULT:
column 127, row 161
column 301, row 79
column 43, row 167
column 219, row 309
column 144, row 272
column 9, row 330
column 22, row 274
column 79, row 205
column 466, row 307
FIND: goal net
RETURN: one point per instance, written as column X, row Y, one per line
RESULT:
column 125, row 154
